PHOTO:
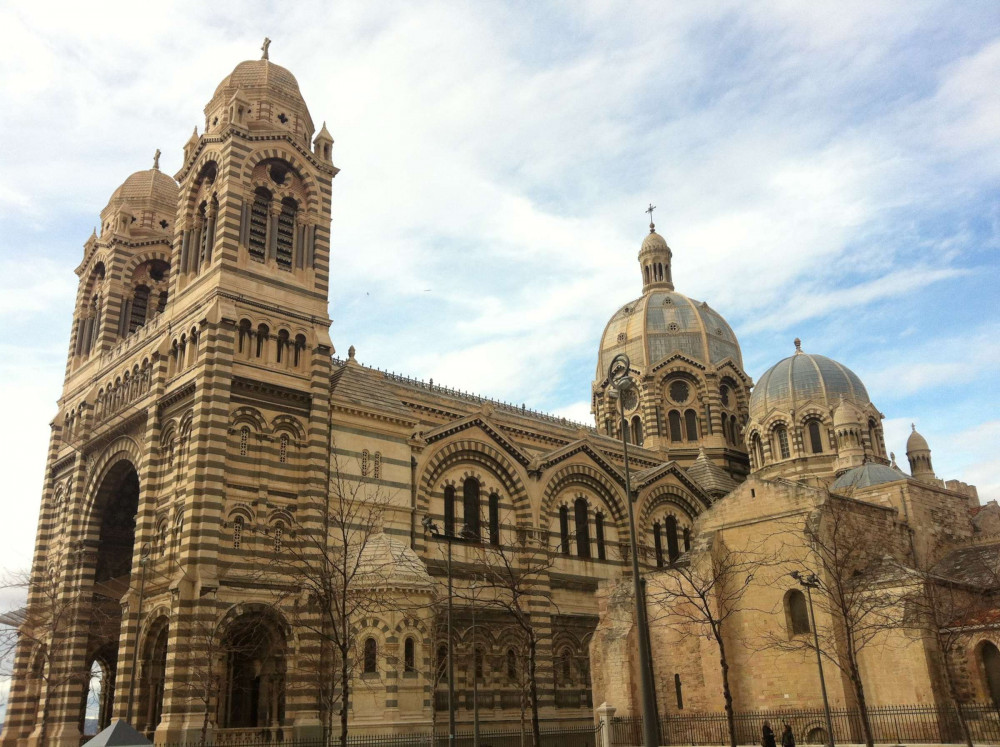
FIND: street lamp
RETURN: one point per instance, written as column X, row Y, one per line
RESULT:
column 475, row 669
column 619, row 379
column 809, row 582
column 431, row 528
column 144, row 557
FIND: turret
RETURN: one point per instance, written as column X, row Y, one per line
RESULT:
column 918, row 453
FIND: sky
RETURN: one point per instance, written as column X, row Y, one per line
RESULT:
column 827, row 171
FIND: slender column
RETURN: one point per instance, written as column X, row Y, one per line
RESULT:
column 213, row 212
column 185, row 245
column 273, row 211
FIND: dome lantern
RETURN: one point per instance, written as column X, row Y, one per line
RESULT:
column 654, row 259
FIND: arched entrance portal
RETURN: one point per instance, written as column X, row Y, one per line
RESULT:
column 253, row 693
column 153, row 670
column 990, row 656
column 113, row 522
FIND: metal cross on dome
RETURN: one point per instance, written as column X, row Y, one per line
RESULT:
column 650, row 210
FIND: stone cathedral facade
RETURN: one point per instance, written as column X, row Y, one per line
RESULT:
column 204, row 411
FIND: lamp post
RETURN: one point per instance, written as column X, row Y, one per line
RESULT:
column 619, row 379
column 809, row 582
column 144, row 557
column 475, row 670
column 431, row 528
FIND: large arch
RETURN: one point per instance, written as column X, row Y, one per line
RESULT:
column 255, row 643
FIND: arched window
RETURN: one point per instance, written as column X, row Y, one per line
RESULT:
column 286, row 233
column 246, row 333
column 637, row 430
column 511, row 665
column 494, row 519
column 814, row 437
column 735, row 430
column 564, row 530
column 599, row 535
column 244, row 440
column 442, row 663
column 257, row 240
column 365, row 462
column 140, row 304
column 449, row 511
column 671, row 528
column 470, row 508
column 758, row 449
column 300, row 346
column 282, row 345
column 796, row 614
column 990, row 656
column 377, row 465
column 237, row 532
column 781, row 434
column 279, row 537
column 674, row 418
column 283, row 448
column 582, row 528
column 409, row 661
column 371, row 656
column 691, row 425
column 658, row 544
column 873, row 436
column 725, row 429
column 263, row 334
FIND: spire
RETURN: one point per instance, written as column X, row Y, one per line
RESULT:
column 264, row 47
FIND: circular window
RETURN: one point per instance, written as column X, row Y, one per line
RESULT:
column 621, row 337
column 630, row 399
column 724, row 393
column 718, row 331
column 667, row 301
column 679, row 391
column 673, row 327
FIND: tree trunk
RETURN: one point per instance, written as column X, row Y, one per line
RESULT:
column 345, row 682
column 859, row 693
column 536, row 736
column 727, row 693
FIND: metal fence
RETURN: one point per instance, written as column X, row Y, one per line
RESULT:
column 583, row 736
column 890, row 725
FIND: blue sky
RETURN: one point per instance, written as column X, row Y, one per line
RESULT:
column 827, row 171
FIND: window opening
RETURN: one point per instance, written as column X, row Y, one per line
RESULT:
column 691, row 424
column 671, row 527
column 409, row 663
column 371, row 656
column 814, row 437
column 449, row 511
column 564, row 530
column 782, row 433
column 599, row 532
column 494, row 519
column 470, row 508
column 283, row 448
column 244, row 440
column 582, row 528
column 237, row 532
column 798, row 615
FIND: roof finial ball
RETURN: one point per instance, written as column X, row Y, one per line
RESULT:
column 350, row 352
column 263, row 48
column 798, row 345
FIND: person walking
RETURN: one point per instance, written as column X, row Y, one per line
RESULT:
column 767, row 736
column 787, row 738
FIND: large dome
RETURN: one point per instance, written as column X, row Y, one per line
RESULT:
column 270, row 91
column 802, row 378
column 662, row 323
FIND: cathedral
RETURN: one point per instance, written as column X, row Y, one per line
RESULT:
column 207, row 422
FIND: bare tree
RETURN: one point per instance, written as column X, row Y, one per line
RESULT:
column 43, row 631
column 942, row 599
column 848, row 545
column 513, row 581
column 344, row 568
column 698, row 595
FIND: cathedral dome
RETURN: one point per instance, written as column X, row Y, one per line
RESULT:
column 270, row 94
column 662, row 323
column 867, row 475
column 805, row 377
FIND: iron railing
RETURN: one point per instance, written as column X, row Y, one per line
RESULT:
column 581, row 736
column 890, row 725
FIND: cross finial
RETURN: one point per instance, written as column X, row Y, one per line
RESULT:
column 798, row 345
column 156, row 160
column 650, row 210
column 263, row 48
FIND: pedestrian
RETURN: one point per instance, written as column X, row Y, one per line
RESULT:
column 767, row 736
column 787, row 738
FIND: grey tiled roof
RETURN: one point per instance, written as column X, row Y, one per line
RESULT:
column 353, row 384
column 978, row 565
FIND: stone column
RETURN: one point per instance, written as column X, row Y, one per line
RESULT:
column 604, row 714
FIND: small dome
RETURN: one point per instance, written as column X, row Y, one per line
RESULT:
column 259, row 74
column 802, row 378
column 653, row 240
column 662, row 323
column 150, row 188
column 866, row 476
column 916, row 442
